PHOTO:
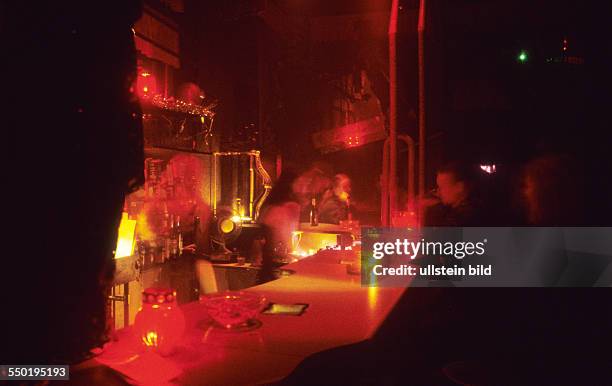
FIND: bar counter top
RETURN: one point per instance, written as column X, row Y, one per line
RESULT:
column 340, row 312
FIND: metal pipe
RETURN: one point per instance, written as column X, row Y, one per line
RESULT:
column 267, row 183
column 214, row 185
column 126, row 304
column 384, row 186
column 385, row 213
column 411, row 172
column 392, row 177
column 422, row 131
column 251, row 186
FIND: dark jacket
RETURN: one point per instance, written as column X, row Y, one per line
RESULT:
column 467, row 214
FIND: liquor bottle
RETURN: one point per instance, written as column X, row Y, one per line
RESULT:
column 141, row 246
column 166, row 245
column 179, row 237
column 172, row 236
column 166, row 249
column 314, row 216
column 154, row 252
column 196, row 231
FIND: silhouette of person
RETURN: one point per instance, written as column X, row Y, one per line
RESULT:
column 77, row 150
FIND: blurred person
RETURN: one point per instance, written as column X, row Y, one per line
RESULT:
column 280, row 217
column 552, row 191
column 335, row 203
column 553, row 198
column 311, row 184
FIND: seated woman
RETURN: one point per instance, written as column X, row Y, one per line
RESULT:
column 280, row 217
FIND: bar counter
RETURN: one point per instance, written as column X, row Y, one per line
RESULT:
column 340, row 312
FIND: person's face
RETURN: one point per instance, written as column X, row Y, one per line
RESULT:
column 450, row 191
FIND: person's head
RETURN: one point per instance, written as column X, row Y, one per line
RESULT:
column 551, row 191
column 311, row 183
column 283, row 189
column 455, row 183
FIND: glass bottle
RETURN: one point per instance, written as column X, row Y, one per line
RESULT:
column 314, row 215
column 196, row 231
column 179, row 237
column 173, row 239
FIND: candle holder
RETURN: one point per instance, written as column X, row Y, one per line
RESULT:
column 160, row 323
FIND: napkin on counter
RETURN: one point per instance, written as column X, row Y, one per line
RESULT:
column 148, row 368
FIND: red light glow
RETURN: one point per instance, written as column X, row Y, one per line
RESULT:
column 146, row 85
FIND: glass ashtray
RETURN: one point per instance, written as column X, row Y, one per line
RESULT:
column 234, row 310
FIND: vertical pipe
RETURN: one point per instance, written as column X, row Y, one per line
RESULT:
column 421, row 48
column 384, row 186
column 411, row 176
column 410, row 147
column 237, row 192
column 111, row 310
column 392, row 180
column 251, row 185
column 261, row 95
column 214, row 185
column 267, row 183
column 385, row 215
column 126, row 304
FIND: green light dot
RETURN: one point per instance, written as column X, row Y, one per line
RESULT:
column 522, row 57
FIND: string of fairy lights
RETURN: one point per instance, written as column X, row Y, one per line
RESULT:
column 204, row 113
column 146, row 90
column 178, row 105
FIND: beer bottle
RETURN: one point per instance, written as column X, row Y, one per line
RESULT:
column 314, row 216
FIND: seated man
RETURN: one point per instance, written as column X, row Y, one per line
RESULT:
column 456, row 203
